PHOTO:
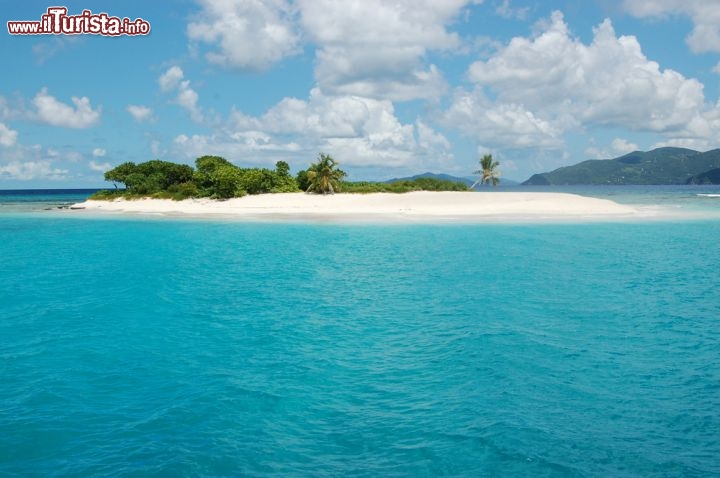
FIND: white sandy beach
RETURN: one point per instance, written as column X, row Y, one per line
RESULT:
column 416, row 206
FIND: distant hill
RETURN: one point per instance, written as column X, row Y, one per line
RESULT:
column 708, row 177
column 659, row 166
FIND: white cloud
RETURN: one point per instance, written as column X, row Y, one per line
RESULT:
column 248, row 34
column 47, row 48
column 100, row 167
column 705, row 15
column 140, row 113
column 623, row 146
column 56, row 113
column 8, row 137
column 5, row 110
column 377, row 49
column 73, row 156
column 364, row 48
column 32, row 170
column 716, row 68
column 508, row 125
column 609, row 81
column 188, row 99
column 701, row 133
column 172, row 80
column 99, row 152
column 359, row 132
column 596, row 153
column 506, row 11
column 552, row 83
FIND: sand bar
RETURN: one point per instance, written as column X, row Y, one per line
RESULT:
column 422, row 206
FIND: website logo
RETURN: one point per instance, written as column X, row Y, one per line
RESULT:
column 57, row 22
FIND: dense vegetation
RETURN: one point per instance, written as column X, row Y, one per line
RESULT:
column 659, row 166
column 213, row 177
column 404, row 186
column 217, row 178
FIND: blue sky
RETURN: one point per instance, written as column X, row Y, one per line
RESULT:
column 387, row 88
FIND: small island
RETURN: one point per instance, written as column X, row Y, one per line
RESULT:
column 215, row 177
column 217, row 188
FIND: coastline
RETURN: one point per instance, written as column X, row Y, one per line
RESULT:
column 419, row 206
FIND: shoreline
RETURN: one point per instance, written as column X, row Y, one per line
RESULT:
column 418, row 206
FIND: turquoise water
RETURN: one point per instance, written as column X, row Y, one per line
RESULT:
column 36, row 200
column 192, row 348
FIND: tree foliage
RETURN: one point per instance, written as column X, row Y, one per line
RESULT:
column 488, row 171
column 404, row 186
column 213, row 176
column 324, row 176
column 216, row 177
column 149, row 177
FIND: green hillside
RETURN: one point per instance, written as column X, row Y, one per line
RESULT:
column 708, row 177
column 659, row 166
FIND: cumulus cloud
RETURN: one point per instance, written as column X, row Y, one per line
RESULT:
column 700, row 134
column 100, row 167
column 501, row 124
column 623, row 146
column 8, row 137
column 99, row 152
column 32, row 170
column 377, row 49
column 705, row 15
column 170, row 79
column 609, row 81
column 140, row 113
column 505, row 10
column 51, row 111
column 360, row 132
column 369, row 48
column 551, row 83
column 247, row 34
column 187, row 98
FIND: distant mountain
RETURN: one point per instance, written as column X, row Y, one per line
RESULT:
column 708, row 177
column 659, row 166
column 446, row 177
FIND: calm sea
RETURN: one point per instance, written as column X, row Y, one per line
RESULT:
column 145, row 347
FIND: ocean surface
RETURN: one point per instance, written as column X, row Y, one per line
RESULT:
column 166, row 347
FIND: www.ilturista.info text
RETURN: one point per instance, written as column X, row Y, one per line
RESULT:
column 57, row 22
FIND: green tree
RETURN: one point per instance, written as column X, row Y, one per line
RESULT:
column 227, row 182
column 120, row 173
column 149, row 177
column 488, row 171
column 302, row 180
column 282, row 169
column 256, row 181
column 164, row 174
column 217, row 177
column 324, row 176
column 283, row 182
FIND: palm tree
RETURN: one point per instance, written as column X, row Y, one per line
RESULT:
column 324, row 176
column 488, row 171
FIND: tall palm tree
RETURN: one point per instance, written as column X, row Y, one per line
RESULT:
column 324, row 176
column 488, row 171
